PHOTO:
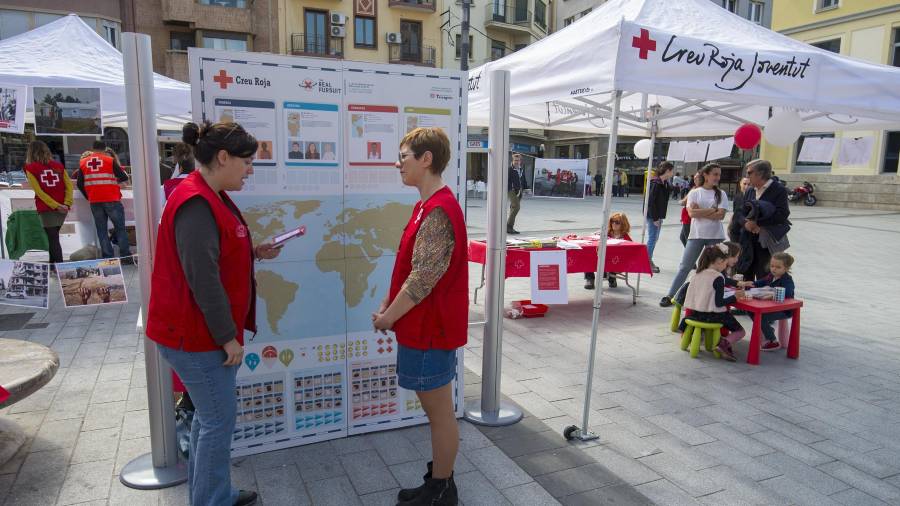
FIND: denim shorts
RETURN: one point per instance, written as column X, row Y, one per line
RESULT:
column 423, row 370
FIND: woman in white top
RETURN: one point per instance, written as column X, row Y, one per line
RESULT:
column 706, row 204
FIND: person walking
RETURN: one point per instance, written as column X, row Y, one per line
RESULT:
column 598, row 183
column 427, row 306
column 623, row 183
column 52, row 193
column 203, row 297
column 657, row 205
column 515, row 187
column 99, row 179
column 755, row 256
column 706, row 205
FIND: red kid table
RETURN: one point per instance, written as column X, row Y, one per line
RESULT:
column 760, row 307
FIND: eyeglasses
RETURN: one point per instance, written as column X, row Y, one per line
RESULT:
column 402, row 155
column 615, row 222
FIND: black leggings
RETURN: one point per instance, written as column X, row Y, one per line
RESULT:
column 55, row 248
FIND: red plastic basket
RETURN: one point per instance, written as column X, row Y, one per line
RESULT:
column 530, row 310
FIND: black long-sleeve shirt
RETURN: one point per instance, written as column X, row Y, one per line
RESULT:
column 120, row 174
column 719, row 288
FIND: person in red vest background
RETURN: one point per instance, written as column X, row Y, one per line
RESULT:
column 427, row 306
column 52, row 193
column 99, row 179
column 203, row 297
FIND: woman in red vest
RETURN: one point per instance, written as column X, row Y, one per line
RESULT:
column 428, row 305
column 203, row 297
column 52, row 193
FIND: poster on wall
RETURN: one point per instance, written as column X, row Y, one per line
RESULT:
column 548, row 277
column 67, row 111
column 561, row 178
column 24, row 283
column 92, row 282
column 329, row 134
column 856, row 151
column 12, row 108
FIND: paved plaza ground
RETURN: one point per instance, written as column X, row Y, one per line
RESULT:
column 821, row 430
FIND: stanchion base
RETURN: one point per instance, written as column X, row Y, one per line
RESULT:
column 506, row 414
column 572, row 432
column 140, row 474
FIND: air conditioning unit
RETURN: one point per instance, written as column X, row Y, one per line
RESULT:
column 393, row 37
column 338, row 19
column 338, row 31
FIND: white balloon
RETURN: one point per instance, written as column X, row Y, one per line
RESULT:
column 783, row 129
column 642, row 148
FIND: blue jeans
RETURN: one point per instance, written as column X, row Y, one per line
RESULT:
column 211, row 386
column 652, row 236
column 115, row 212
column 688, row 260
column 768, row 319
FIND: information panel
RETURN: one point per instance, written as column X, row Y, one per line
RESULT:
column 329, row 134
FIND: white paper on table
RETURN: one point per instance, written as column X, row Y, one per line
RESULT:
column 514, row 242
column 696, row 151
column 817, row 149
column 676, row 151
column 548, row 277
column 567, row 245
column 856, row 150
column 720, row 148
column 611, row 241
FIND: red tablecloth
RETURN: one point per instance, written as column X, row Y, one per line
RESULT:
column 622, row 257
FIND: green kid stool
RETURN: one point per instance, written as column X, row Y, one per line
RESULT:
column 693, row 333
column 676, row 316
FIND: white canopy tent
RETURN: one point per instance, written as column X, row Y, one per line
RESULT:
column 658, row 68
column 68, row 53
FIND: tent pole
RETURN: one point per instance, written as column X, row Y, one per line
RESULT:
column 162, row 467
column 653, row 128
column 490, row 410
column 584, row 433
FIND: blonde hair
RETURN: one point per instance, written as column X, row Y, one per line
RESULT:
column 38, row 152
column 626, row 226
column 431, row 139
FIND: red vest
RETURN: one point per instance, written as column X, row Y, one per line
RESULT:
column 174, row 319
column 441, row 319
column 51, row 179
column 100, row 181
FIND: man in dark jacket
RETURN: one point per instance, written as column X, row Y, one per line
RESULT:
column 734, row 228
column 754, row 261
column 657, row 204
column 598, row 183
column 515, row 187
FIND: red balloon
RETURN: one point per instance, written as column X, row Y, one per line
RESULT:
column 747, row 136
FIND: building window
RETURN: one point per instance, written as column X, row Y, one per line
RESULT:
column 895, row 59
column 316, row 24
column 13, row 23
column 498, row 50
column 238, row 4
column 568, row 21
column 756, row 12
column 42, row 18
column 364, row 32
column 562, row 151
column 111, row 33
column 730, row 5
column 833, row 45
column 180, row 41
column 584, row 13
column 540, row 14
column 891, row 152
column 459, row 46
column 226, row 41
column 411, row 40
column 824, row 5
column 811, row 166
column 580, row 151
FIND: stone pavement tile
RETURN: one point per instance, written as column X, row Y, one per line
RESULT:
column 29, row 423
column 800, row 473
column 789, row 446
column 609, row 495
column 664, row 492
column 470, row 438
column 243, row 477
column 383, row 498
column 626, row 442
column 685, row 478
column 33, row 493
column 318, row 461
column 535, row 442
column 120, row 355
column 745, row 444
column 796, row 492
column 6, row 482
column 130, row 449
column 11, row 466
column 868, row 484
column 110, row 391
column 352, row 444
column 739, row 489
column 72, row 331
column 681, row 430
column 367, row 472
column 526, row 426
column 577, row 480
column 336, row 491
column 46, row 466
column 124, row 340
column 273, row 459
column 633, row 423
column 475, row 490
column 138, row 376
column 629, row 470
column 119, row 494
column 103, row 416
column 687, row 454
column 865, row 462
column 87, row 482
column 856, row 497
column 840, row 436
column 630, row 402
column 536, row 405
column 545, row 389
column 78, row 380
column 462, row 465
column 136, row 424
column 282, row 486
column 113, row 372
column 788, row 414
column 498, row 468
column 529, row 494
column 96, row 445
column 57, row 434
column 788, row 429
column 739, row 461
column 68, row 406
column 409, row 474
column 38, row 401
column 394, row 448
column 137, row 398
column 550, row 461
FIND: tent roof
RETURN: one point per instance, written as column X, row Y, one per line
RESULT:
column 737, row 70
column 68, row 53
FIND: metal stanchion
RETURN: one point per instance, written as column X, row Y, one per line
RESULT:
column 490, row 410
column 654, row 126
column 162, row 467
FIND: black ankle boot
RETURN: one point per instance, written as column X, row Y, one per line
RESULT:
column 408, row 494
column 437, row 492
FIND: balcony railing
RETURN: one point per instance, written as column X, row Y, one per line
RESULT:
column 511, row 14
column 317, row 45
column 419, row 5
column 413, row 54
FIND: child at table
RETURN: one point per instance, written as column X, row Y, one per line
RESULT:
column 779, row 277
column 706, row 297
column 618, row 228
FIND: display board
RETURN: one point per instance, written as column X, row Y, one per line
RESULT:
column 560, row 177
column 329, row 133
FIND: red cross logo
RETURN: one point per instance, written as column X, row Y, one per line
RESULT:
column 94, row 164
column 644, row 43
column 49, row 178
column 307, row 84
column 224, row 79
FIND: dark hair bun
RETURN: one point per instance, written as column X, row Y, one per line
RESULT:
column 190, row 134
